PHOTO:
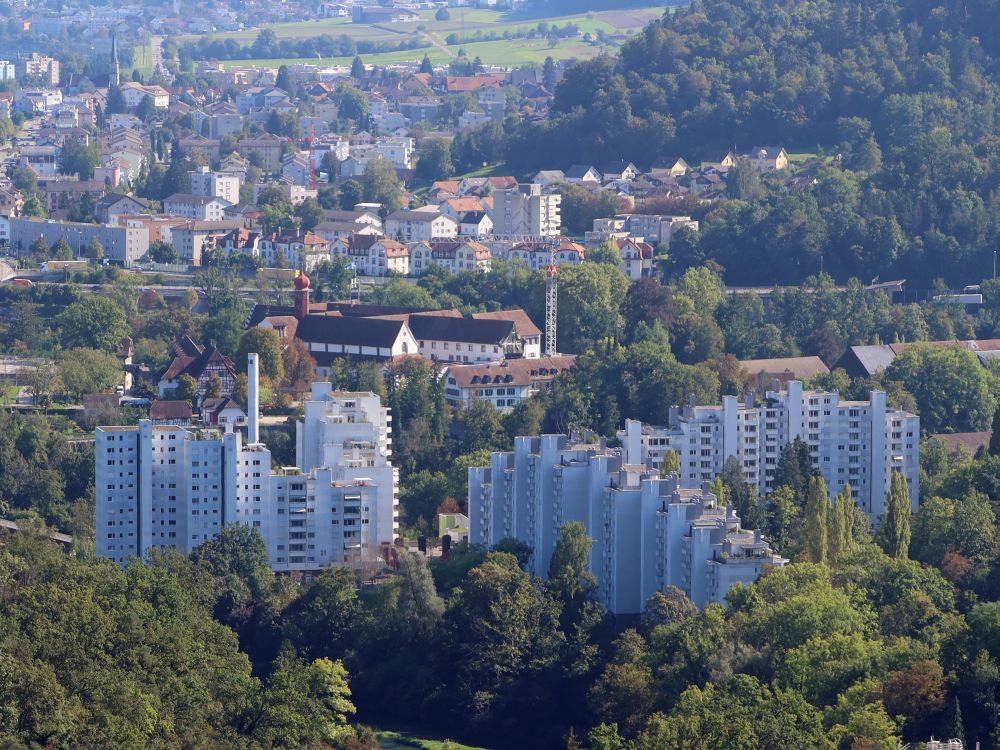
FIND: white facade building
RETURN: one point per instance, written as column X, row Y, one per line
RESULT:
column 176, row 487
column 524, row 211
column 208, row 184
column 648, row 532
column 859, row 443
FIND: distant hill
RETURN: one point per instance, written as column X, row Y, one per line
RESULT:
column 719, row 73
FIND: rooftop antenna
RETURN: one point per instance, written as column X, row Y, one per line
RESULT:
column 551, row 302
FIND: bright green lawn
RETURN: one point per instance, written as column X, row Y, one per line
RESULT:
column 510, row 52
column 401, row 741
column 462, row 22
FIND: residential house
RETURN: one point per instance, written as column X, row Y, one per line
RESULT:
column 117, row 204
column 722, row 164
column 502, row 384
column 583, row 173
column 207, row 149
column 768, row 158
column 201, row 363
column 197, row 207
column 637, row 258
column 419, row 226
column 454, row 255
column 268, row 148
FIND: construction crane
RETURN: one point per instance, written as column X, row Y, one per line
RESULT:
column 551, row 301
column 312, row 158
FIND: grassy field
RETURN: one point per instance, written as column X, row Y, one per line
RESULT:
column 466, row 24
column 142, row 59
column 402, row 741
column 511, row 52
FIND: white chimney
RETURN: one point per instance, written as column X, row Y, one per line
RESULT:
column 253, row 400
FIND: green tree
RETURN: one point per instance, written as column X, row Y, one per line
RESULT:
column 381, row 184
column 894, row 531
column 161, row 252
column 187, row 390
column 425, row 65
column 84, row 371
column 283, row 80
column 840, row 536
column 951, row 387
column 569, row 568
column 95, row 250
column 434, row 162
column 94, row 322
column 237, row 559
column 671, row 463
column 61, row 250
column 420, row 608
column 510, row 635
column 357, row 69
column 607, row 252
column 590, row 297
column 267, row 345
column 309, row 213
column 814, row 527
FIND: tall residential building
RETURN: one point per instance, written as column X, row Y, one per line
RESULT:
column 177, row 487
column 524, row 211
column 859, row 443
column 648, row 532
column 7, row 71
column 208, row 184
column 43, row 67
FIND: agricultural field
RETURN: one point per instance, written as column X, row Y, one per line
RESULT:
column 466, row 24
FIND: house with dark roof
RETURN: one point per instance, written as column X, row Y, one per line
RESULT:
column 223, row 412
column 200, row 362
column 167, row 411
column 347, row 329
column 768, row 158
column 116, row 204
column 332, row 335
column 583, row 173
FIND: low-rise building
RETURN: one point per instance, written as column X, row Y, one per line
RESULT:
column 196, row 207
column 503, row 384
column 121, row 244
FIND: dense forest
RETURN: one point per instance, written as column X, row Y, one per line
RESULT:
column 856, row 645
column 905, row 93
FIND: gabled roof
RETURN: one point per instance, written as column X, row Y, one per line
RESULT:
column 163, row 409
column 800, row 368
column 469, row 330
column 579, row 171
column 512, row 371
column 525, row 326
column 349, row 331
column 195, row 364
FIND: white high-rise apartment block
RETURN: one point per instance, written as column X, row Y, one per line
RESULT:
column 209, row 184
column 648, row 532
column 859, row 443
column 7, row 71
column 524, row 211
column 176, row 487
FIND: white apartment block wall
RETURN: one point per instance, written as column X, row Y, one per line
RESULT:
column 859, row 443
column 648, row 533
column 525, row 211
column 215, row 185
column 168, row 486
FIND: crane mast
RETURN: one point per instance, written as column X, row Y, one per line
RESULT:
column 551, row 301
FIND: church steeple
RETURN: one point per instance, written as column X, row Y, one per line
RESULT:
column 116, row 68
